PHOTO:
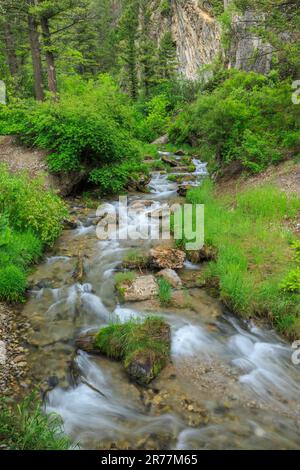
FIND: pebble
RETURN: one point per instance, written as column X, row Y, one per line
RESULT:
column 12, row 355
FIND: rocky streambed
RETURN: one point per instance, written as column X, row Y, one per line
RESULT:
column 228, row 384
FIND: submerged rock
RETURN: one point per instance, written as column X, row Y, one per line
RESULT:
column 70, row 224
column 167, row 258
column 86, row 342
column 170, row 160
column 184, row 188
column 79, row 271
column 171, row 276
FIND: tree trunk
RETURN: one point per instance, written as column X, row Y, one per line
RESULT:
column 51, row 69
column 10, row 50
column 36, row 56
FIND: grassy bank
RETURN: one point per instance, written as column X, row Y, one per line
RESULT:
column 257, row 264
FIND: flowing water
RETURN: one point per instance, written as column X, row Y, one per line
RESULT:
column 230, row 384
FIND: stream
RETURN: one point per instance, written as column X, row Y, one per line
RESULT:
column 231, row 384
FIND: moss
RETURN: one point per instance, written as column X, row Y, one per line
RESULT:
column 143, row 347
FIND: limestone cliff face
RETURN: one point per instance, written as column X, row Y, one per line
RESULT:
column 196, row 33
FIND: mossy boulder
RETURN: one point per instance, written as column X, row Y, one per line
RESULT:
column 143, row 347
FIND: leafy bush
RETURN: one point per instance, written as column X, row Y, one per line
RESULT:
column 254, row 252
column 26, row 427
column 291, row 282
column 156, row 119
column 165, row 291
column 247, row 118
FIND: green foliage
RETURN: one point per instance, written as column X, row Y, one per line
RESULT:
column 291, row 283
column 113, row 179
column 122, row 278
column 12, row 283
column 126, row 341
column 165, row 7
column 248, row 118
column 156, row 120
column 127, row 276
column 135, row 259
column 28, row 206
column 30, row 218
column 91, row 128
column 26, row 427
column 165, row 291
column 268, row 203
column 254, row 252
column 281, row 20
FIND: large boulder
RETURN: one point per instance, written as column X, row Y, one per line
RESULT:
column 167, row 258
column 141, row 288
column 172, row 277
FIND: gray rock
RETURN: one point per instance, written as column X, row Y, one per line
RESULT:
column 172, row 277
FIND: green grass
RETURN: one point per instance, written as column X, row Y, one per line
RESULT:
column 26, row 427
column 165, row 292
column 255, row 252
column 133, row 340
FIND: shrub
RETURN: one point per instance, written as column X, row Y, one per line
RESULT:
column 114, row 178
column 165, row 291
column 247, row 118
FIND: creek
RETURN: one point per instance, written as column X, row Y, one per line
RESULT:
column 231, row 384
